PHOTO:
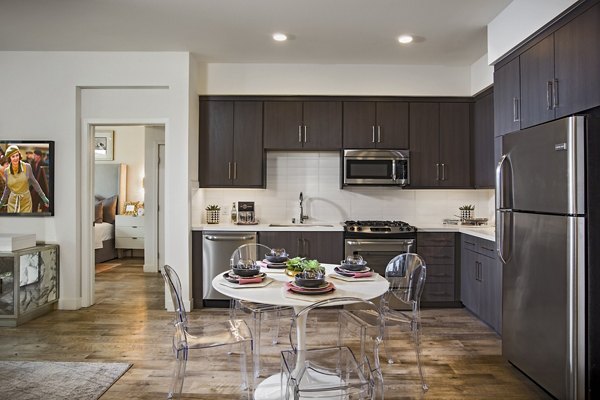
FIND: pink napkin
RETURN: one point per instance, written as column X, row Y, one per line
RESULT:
column 255, row 279
column 362, row 274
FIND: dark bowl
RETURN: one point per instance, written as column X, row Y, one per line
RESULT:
column 276, row 259
column 353, row 266
column 246, row 271
column 309, row 282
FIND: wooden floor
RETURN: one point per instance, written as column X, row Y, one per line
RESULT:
column 128, row 323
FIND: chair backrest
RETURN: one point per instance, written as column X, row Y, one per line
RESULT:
column 406, row 274
column 172, row 280
column 249, row 251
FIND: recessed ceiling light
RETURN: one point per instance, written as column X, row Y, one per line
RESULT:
column 279, row 37
column 405, row 39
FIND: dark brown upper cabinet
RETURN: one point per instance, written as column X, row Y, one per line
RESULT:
column 375, row 124
column 507, row 99
column 577, row 64
column 440, row 145
column 315, row 125
column 538, row 85
column 231, row 147
column 483, row 141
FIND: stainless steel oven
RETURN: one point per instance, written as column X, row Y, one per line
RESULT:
column 376, row 167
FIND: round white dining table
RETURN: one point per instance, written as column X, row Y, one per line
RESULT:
column 275, row 293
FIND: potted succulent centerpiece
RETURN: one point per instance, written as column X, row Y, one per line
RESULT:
column 212, row 214
column 467, row 212
column 308, row 273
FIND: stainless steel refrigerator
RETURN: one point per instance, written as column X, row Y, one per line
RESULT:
column 541, row 225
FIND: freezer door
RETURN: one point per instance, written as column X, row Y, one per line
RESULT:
column 543, row 168
column 539, row 291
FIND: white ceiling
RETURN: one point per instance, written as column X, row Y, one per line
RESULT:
column 449, row 32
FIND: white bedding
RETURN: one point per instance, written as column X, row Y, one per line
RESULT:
column 103, row 231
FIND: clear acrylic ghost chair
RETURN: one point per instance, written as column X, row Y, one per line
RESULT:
column 406, row 274
column 331, row 371
column 256, row 251
column 187, row 337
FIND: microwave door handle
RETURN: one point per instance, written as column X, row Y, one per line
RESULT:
column 394, row 173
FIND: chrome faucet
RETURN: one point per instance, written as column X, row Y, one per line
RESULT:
column 302, row 216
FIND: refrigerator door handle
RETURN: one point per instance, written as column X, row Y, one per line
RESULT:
column 503, row 183
column 504, row 235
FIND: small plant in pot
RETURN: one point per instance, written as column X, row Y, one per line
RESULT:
column 467, row 211
column 212, row 214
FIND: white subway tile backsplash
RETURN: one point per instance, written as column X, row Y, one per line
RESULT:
column 317, row 175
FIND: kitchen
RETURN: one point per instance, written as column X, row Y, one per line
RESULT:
column 430, row 205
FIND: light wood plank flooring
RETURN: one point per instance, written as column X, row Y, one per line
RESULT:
column 128, row 323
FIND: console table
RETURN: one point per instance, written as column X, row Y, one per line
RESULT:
column 28, row 283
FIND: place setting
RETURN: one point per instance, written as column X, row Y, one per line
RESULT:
column 275, row 261
column 246, row 274
column 308, row 279
column 353, row 269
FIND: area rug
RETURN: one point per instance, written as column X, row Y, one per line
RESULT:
column 34, row 380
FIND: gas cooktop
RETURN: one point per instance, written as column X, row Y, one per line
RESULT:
column 378, row 226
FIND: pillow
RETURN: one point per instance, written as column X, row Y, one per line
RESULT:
column 99, row 215
column 109, row 209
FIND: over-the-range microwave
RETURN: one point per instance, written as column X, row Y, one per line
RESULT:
column 376, row 167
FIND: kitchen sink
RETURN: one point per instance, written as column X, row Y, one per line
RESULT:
column 300, row 226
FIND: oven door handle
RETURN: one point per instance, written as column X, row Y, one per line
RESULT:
column 382, row 241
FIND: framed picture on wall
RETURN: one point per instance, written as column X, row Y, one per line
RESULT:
column 103, row 145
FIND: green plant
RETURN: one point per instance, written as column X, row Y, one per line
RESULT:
column 213, row 207
column 302, row 264
column 467, row 207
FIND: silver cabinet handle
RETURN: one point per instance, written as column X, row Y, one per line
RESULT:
column 235, row 170
column 516, row 117
column 229, row 170
column 549, row 94
column 300, row 133
column 216, row 238
column 394, row 176
column 378, row 134
column 373, row 140
column 555, row 94
column 304, row 133
column 437, row 172
column 443, row 171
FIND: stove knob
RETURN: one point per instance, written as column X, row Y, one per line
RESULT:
column 358, row 229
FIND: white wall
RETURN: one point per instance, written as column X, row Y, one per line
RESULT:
column 519, row 20
column 40, row 100
column 482, row 75
column 129, row 149
column 317, row 175
column 327, row 79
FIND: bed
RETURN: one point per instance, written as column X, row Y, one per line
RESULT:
column 110, row 191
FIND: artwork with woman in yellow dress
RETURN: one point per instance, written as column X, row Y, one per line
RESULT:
column 18, row 176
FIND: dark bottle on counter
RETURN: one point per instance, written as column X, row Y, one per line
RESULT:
column 233, row 214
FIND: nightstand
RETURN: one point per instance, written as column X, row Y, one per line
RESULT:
column 129, row 232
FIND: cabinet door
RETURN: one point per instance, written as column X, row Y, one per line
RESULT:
column 392, row 125
column 507, row 99
column 491, row 292
column 455, row 145
column 359, row 128
column 197, row 268
column 327, row 247
column 424, row 144
column 216, row 143
column 291, row 241
column 248, row 144
column 470, row 288
column 322, row 122
column 483, row 146
column 537, row 76
column 283, row 124
column 577, row 62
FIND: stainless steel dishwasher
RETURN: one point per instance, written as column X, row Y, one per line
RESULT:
column 217, row 248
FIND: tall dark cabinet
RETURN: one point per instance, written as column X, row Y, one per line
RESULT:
column 375, row 124
column 231, row 148
column 483, row 141
column 507, row 98
column 440, row 142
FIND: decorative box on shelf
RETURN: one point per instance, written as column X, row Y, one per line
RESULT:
column 16, row 241
column 28, row 282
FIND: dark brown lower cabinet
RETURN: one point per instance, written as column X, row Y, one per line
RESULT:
column 327, row 247
column 438, row 250
column 481, row 280
column 197, row 268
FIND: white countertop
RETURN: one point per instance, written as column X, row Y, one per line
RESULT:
column 485, row 232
